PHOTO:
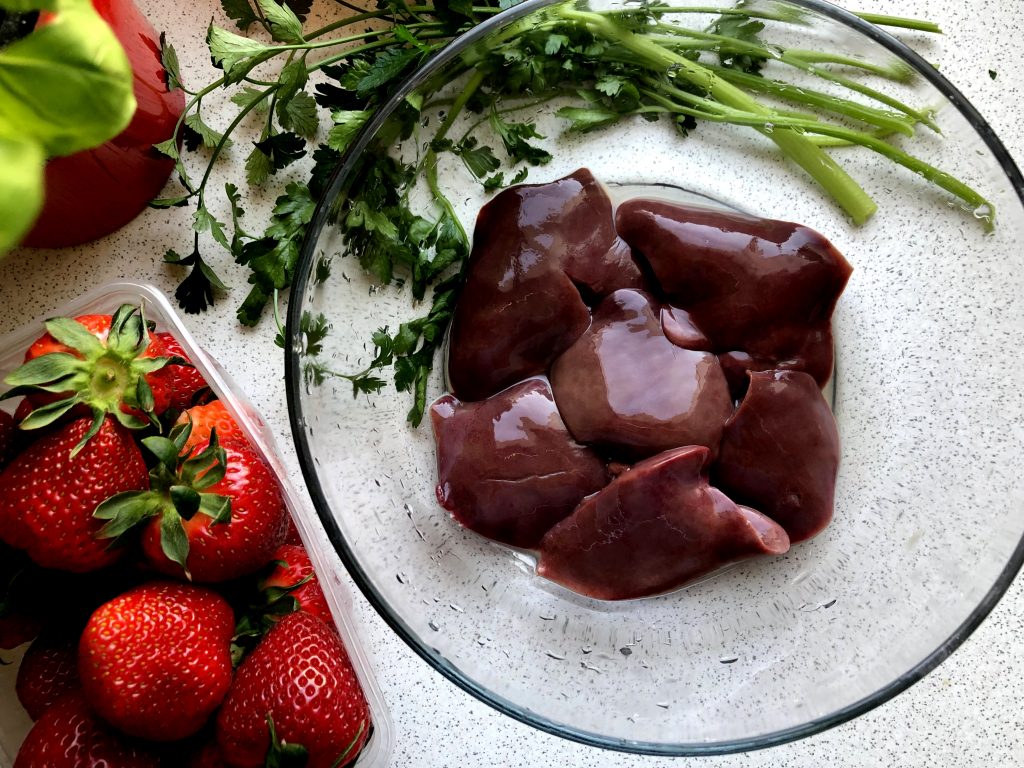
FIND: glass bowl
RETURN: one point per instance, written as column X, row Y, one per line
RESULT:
column 927, row 394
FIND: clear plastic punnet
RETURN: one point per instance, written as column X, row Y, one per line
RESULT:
column 14, row 722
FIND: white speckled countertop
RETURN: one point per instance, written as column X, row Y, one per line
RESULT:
column 965, row 713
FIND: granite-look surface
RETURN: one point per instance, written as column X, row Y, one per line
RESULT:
column 967, row 712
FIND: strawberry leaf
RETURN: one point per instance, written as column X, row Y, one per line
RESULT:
column 47, row 414
column 216, row 507
column 173, row 540
column 282, row 754
column 186, row 500
column 73, row 334
column 124, row 511
column 44, row 369
column 165, row 450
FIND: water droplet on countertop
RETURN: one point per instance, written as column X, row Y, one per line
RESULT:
column 729, row 659
column 626, row 651
column 433, row 625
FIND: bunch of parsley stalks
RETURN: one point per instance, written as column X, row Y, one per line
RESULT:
column 637, row 61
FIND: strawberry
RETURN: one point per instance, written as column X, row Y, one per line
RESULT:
column 212, row 514
column 155, row 662
column 8, row 438
column 98, row 364
column 295, row 578
column 17, row 628
column 293, row 536
column 206, row 418
column 299, row 682
column 48, row 670
column 49, row 492
column 69, row 735
column 182, row 379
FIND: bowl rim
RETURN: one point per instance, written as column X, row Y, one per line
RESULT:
column 294, row 386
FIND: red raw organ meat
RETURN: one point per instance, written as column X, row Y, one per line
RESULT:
column 625, row 387
column 780, row 452
column 652, row 529
column 507, row 467
column 533, row 244
column 761, row 287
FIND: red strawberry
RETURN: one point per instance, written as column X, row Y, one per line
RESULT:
column 48, row 670
column 212, row 513
column 207, row 755
column 69, row 735
column 205, row 418
column 17, row 628
column 295, row 568
column 8, row 438
column 102, row 365
column 48, row 494
column 293, row 536
column 155, row 662
column 300, row 679
column 183, row 380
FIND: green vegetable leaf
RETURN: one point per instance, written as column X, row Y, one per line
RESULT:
column 283, row 149
column 209, row 136
column 235, row 54
column 298, row 114
column 24, row 6
column 257, row 167
column 204, row 221
column 68, row 85
column 588, row 118
column 169, row 59
column 292, row 79
column 248, row 96
column 273, row 256
column 745, row 30
column 239, row 11
column 514, row 136
column 21, row 188
column 389, row 65
column 347, row 124
column 284, row 24
column 195, row 293
column 479, row 160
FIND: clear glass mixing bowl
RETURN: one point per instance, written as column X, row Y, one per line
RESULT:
column 929, row 515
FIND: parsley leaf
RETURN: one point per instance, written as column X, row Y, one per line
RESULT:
column 282, row 150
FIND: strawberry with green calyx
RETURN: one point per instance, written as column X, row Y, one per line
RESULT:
column 207, row 417
column 300, row 679
column 294, row 578
column 213, row 512
column 290, row 585
column 100, row 364
column 49, row 492
column 155, row 662
column 178, row 491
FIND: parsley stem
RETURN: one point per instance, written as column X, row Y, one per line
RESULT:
column 225, row 138
column 853, row 109
column 895, row 69
column 974, row 201
column 679, row 35
column 882, row 20
column 822, row 168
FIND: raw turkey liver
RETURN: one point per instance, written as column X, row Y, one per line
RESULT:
column 532, row 246
column 780, row 452
column 625, row 387
column 652, row 529
column 507, row 467
column 758, row 286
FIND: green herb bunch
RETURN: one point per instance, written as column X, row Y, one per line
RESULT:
column 641, row 61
